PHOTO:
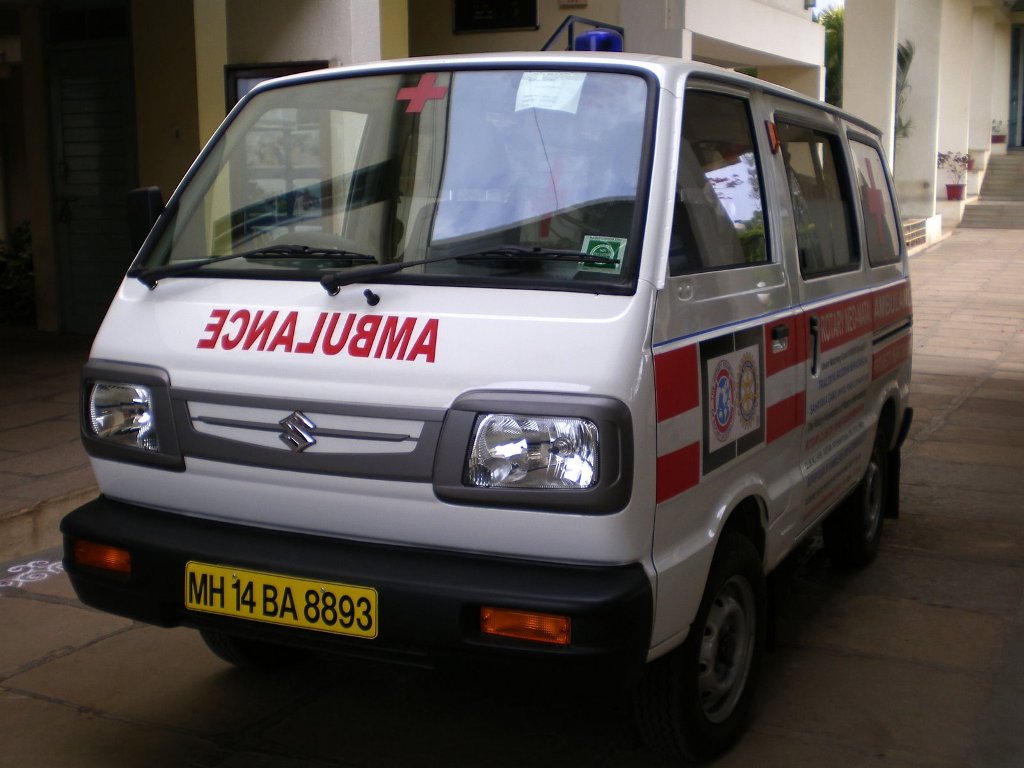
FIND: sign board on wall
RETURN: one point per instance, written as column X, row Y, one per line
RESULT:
column 490, row 15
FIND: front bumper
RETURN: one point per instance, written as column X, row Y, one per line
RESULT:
column 429, row 600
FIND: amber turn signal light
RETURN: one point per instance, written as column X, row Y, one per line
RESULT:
column 526, row 625
column 102, row 556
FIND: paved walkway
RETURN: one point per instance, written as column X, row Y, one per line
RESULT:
column 915, row 662
column 44, row 471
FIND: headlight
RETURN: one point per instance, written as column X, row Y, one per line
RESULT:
column 123, row 414
column 512, row 451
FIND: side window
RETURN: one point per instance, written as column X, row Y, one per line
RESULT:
column 881, row 234
column 719, row 212
column 820, row 204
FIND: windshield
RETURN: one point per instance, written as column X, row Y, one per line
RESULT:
column 420, row 166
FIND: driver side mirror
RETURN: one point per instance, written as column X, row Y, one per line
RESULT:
column 144, row 207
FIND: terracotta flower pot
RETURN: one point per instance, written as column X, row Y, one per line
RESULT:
column 955, row 191
column 998, row 138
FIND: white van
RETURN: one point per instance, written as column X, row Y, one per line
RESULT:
column 549, row 357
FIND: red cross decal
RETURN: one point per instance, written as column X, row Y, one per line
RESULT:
column 423, row 92
column 875, row 202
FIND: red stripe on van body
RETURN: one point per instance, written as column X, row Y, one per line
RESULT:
column 676, row 382
column 785, row 416
column 892, row 305
column 891, row 357
column 677, row 472
column 843, row 321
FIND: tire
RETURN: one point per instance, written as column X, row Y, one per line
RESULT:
column 695, row 702
column 853, row 531
column 251, row 654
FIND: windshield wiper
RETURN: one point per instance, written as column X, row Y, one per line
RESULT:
column 536, row 253
column 150, row 276
column 333, row 281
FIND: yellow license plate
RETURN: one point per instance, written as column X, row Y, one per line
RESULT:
column 343, row 609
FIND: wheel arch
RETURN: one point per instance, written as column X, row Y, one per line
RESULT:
column 749, row 519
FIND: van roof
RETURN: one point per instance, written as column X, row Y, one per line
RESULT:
column 667, row 69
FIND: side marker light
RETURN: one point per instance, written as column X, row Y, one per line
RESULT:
column 102, row 556
column 526, row 625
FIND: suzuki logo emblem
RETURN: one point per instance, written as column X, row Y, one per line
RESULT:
column 298, row 431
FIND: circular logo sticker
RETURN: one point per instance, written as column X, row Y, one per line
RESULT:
column 722, row 410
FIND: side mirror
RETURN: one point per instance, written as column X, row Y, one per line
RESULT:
column 144, row 207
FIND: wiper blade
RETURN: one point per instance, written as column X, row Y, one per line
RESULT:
column 536, row 253
column 308, row 252
column 150, row 276
column 333, row 281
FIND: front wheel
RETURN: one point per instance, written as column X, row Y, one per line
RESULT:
column 694, row 703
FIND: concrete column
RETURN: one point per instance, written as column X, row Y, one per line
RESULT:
column 338, row 31
column 362, row 31
column 955, row 75
column 982, row 77
column 1000, row 83
column 915, row 157
column 656, row 27
column 869, row 64
column 806, row 80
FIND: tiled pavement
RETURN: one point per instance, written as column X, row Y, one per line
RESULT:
column 44, row 471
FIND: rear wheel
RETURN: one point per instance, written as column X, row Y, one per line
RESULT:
column 254, row 654
column 853, row 531
column 695, row 702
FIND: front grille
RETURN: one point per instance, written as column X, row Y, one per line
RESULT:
column 308, row 436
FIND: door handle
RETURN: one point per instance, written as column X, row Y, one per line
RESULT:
column 780, row 339
column 815, row 345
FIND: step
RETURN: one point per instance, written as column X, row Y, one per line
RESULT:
column 989, row 214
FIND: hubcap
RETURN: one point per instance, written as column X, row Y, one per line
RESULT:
column 726, row 649
column 872, row 501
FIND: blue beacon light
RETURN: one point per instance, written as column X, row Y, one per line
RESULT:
column 599, row 40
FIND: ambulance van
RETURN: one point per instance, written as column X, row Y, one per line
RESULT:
column 548, row 358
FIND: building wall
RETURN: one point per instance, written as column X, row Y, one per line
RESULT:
column 394, row 29
column 915, row 156
column 211, row 41
column 777, row 37
column 870, row 29
column 166, row 99
column 338, row 31
column 430, row 25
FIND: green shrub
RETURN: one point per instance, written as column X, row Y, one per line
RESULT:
column 17, row 282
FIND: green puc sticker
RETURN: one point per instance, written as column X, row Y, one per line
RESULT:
column 611, row 248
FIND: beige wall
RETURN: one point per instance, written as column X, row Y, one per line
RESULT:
column 338, row 31
column 166, row 99
column 394, row 29
column 211, row 40
column 430, row 25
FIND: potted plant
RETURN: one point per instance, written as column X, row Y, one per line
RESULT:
column 998, row 132
column 956, row 164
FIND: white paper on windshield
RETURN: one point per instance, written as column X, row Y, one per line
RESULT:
column 558, row 91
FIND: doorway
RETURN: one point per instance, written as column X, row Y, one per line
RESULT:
column 94, row 156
